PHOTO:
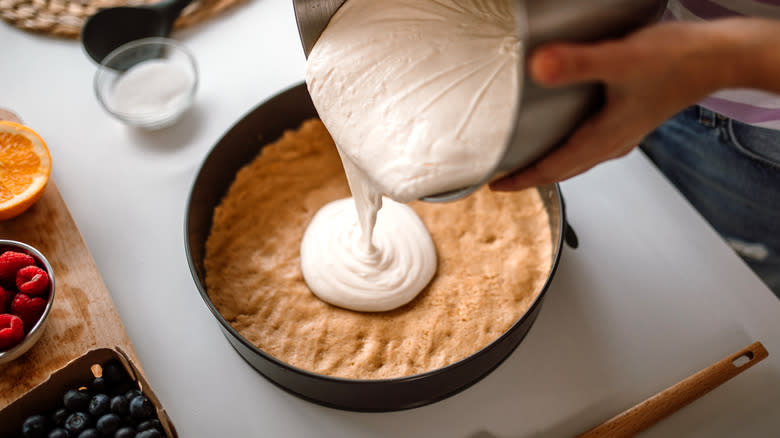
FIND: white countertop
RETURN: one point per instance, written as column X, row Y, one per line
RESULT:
column 651, row 296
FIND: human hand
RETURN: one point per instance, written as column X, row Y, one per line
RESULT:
column 648, row 76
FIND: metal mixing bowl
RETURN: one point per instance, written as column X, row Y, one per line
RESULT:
column 238, row 147
column 37, row 330
column 544, row 117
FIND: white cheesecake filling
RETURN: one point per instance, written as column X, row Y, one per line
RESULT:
column 419, row 96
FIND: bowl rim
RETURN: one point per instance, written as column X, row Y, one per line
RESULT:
column 32, row 337
column 147, row 118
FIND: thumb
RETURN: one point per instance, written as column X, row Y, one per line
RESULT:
column 566, row 63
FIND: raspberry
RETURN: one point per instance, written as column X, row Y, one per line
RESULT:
column 12, row 261
column 5, row 299
column 11, row 330
column 29, row 309
column 32, row 280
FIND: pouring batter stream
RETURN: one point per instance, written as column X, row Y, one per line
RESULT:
column 419, row 98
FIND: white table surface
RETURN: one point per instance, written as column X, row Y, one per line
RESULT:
column 651, row 296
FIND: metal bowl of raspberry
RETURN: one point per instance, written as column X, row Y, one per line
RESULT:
column 26, row 297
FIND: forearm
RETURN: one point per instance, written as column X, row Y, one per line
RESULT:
column 745, row 53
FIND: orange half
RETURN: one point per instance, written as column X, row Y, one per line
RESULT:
column 25, row 166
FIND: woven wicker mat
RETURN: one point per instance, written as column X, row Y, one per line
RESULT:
column 64, row 18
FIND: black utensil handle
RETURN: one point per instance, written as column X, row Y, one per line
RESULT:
column 172, row 8
column 569, row 236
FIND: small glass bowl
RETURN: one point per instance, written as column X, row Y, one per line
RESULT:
column 35, row 333
column 147, row 83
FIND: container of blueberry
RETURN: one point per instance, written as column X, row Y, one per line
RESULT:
column 100, row 394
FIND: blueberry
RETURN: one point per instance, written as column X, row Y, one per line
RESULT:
column 77, row 422
column 89, row 433
column 98, row 385
column 125, row 432
column 59, row 416
column 150, row 433
column 133, row 393
column 121, row 388
column 113, row 373
column 58, row 433
column 141, row 407
column 149, row 424
column 108, row 424
column 34, row 427
column 120, row 405
column 99, row 405
column 76, row 400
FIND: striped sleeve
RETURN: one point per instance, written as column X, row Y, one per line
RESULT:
column 748, row 106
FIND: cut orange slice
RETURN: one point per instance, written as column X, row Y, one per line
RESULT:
column 25, row 166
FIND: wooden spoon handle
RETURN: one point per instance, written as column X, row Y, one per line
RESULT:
column 666, row 402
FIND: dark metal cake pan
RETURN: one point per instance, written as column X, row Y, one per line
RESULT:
column 264, row 124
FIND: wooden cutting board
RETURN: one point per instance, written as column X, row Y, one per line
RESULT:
column 83, row 316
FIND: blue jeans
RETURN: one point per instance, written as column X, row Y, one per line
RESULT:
column 730, row 172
